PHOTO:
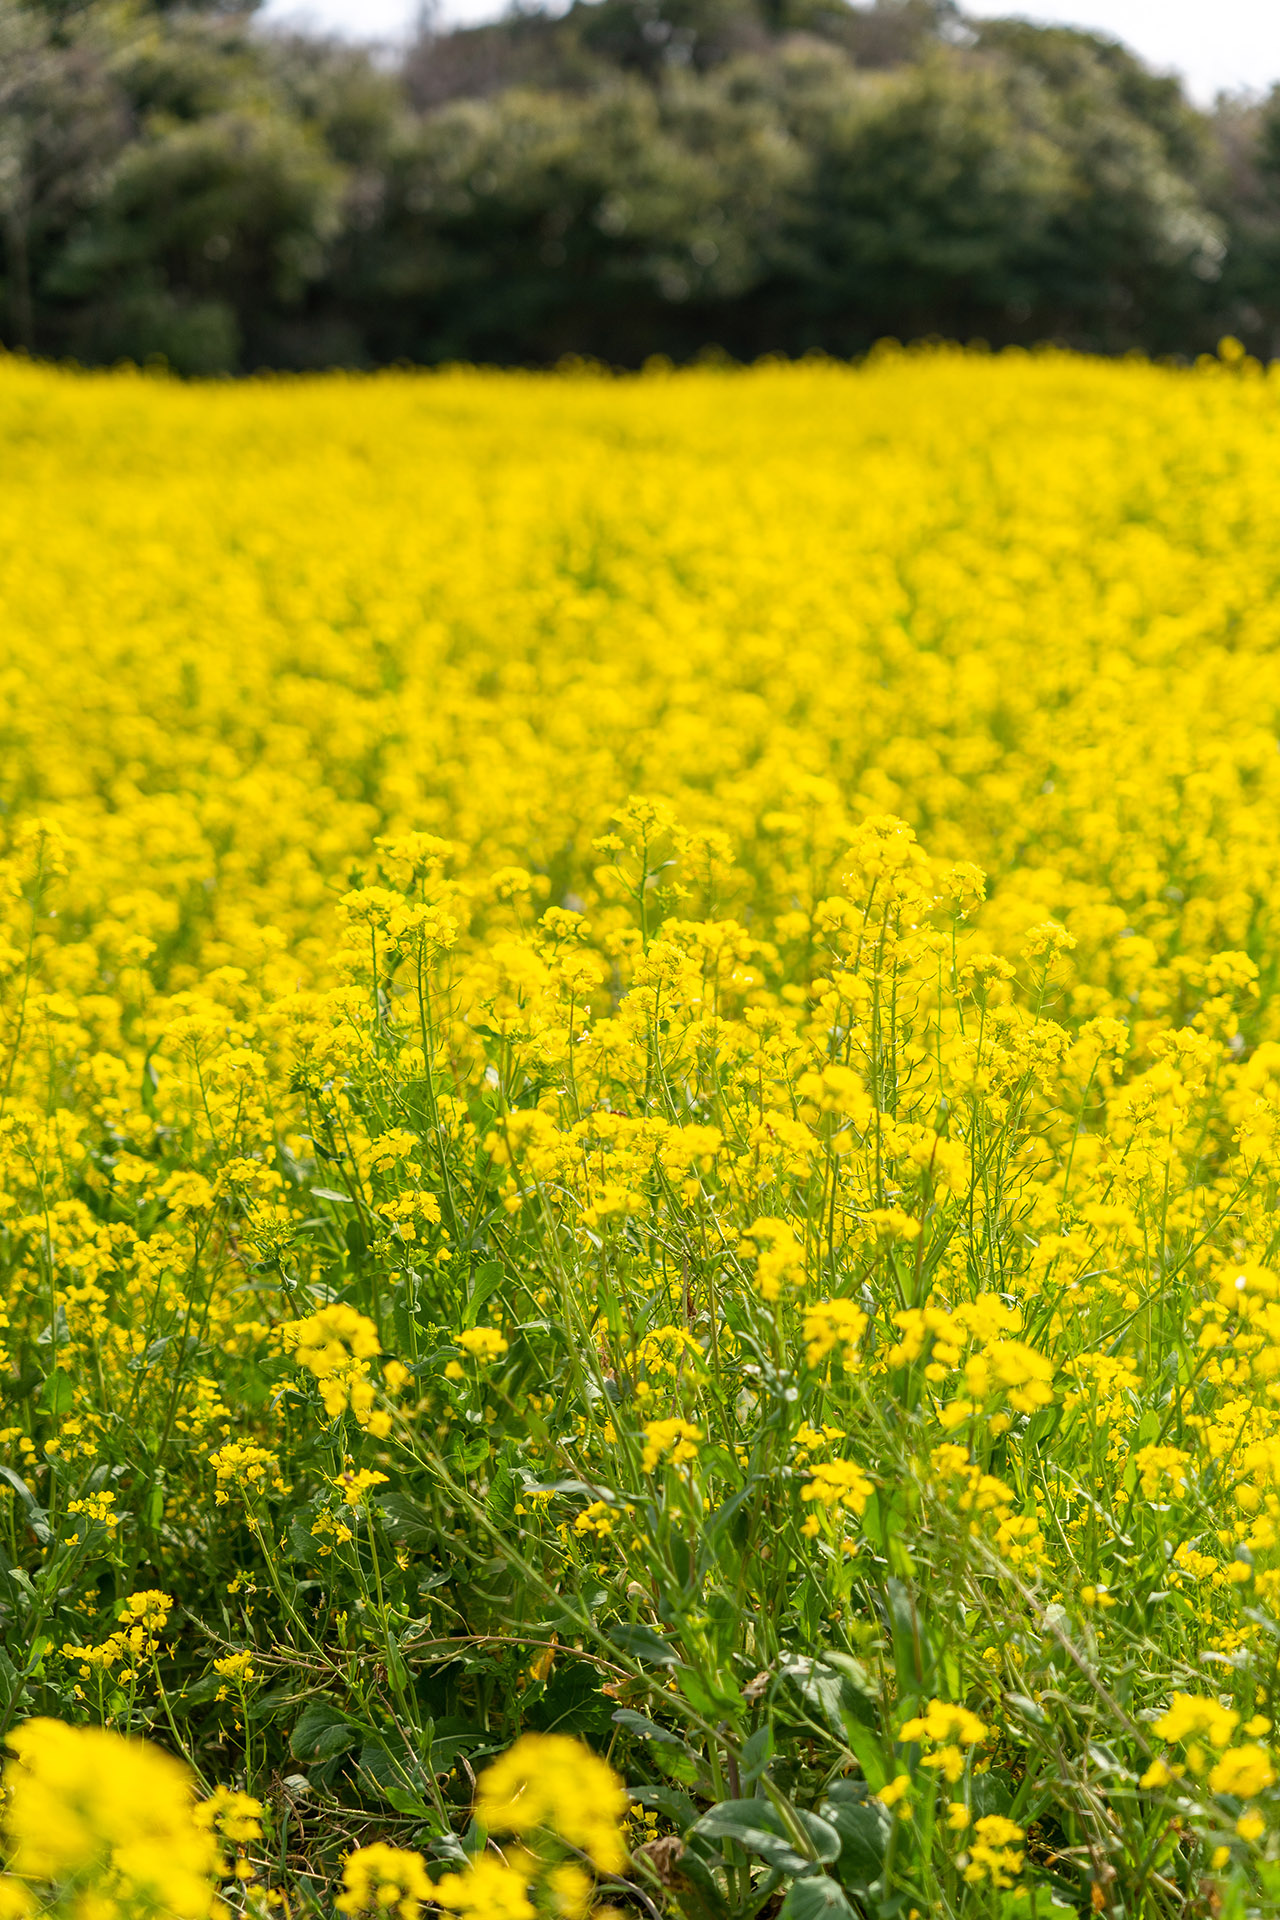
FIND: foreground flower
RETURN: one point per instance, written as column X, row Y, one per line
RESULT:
column 117, row 1817
column 382, row 1879
column 550, row 1781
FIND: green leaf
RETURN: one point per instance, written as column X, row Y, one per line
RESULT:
column 12, row 1683
column 757, row 1752
column 642, row 1643
column 488, row 1278
column 867, row 1751
column 398, row 1772
column 573, row 1702
column 467, row 1455
column 912, row 1649
column 674, row 1806
column 411, row 1804
column 646, row 1729
column 675, row 1757
column 858, row 1694
column 838, row 1695
column 714, row 1702
column 36, row 1517
column 331, row 1193
column 816, row 1898
column 303, row 1546
column 408, row 1520
column 758, row 1827
column 57, row 1395
column 322, row 1732
column 1026, row 1709
column 500, row 1502
column 993, row 1793
column 722, row 1535
column 699, row 1872
column 453, row 1735
column 449, row 1848
column 864, row 1827
column 679, row 1763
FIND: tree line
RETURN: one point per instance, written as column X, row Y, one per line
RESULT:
column 624, row 179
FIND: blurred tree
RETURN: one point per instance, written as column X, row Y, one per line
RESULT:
column 1133, row 250
column 1245, row 192
column 1075, row 63
column 61, row 121
column 577, row 49
column 627, row 177
column 542, row 224
column 159, row 198
column 207, row 227
column 931, row 191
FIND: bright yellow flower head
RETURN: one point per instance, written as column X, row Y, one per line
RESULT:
column 490, row 1889
column 676, row 1440
column 381, row 1879
column 82, row 1804
column 1244, row 1771
column 1191, row 1716
column 943, row 1722
column 483, row 1343
column 547, row 1780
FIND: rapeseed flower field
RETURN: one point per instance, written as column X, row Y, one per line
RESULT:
column 639, row 1142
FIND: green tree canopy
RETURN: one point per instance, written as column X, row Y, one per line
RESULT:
column 629, row 177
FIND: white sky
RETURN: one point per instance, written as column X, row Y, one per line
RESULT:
column 1212, row 43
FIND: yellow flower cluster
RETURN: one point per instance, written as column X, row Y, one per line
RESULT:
column 830, row 1326
column 546, row 1788
column 381, row 1879
column 675, row 1440
column 482, row 1343
column 548, row 1780
column 665, row 1021
column 838, row 1483
column 143, row 1618
column 244, row 1465
column 116, row 1818
column 993, row 1857
column 336, row 1344
column 950, row 1731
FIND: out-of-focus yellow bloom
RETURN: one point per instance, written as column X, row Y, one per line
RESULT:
column 1191, row 1716
column 483, row 1343
column 381, row 1879
column 115, row 1816
column 547, row 1780
column 675, row 1440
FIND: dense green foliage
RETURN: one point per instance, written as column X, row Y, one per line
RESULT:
column 633, row 177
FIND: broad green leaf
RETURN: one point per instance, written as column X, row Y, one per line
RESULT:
column 816, row 1897
column 643, row 1644
column 759, row 1827
column 323, row 1730
column 864, row 1827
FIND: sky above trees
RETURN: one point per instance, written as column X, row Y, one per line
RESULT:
column 1214, row 44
